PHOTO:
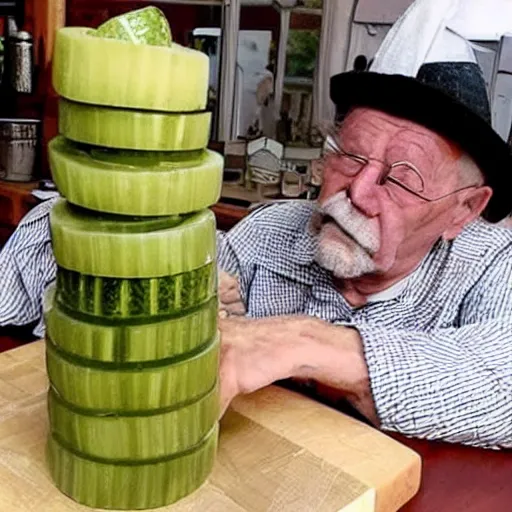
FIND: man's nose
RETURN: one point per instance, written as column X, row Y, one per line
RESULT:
column 364, row 189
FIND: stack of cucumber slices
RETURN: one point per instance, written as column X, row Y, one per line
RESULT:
column 132, row 342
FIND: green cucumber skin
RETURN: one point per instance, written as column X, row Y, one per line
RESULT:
column 109, row 246
column 96, row 185
column 133, row 130
column 109, row 72
column 142, row 26
column 134, row 299
column 119, row 437
column 130, row 487
column 129, row 390
column 133, row 343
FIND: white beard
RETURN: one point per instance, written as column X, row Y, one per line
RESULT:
column 347, row 240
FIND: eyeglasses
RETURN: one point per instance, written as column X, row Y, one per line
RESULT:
column 402, row 174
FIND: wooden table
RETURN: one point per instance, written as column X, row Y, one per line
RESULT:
column 454, row 478
column 461, row 479
column 278, row 452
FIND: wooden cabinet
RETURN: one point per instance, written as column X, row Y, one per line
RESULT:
column 43, row 18
column 15, row 202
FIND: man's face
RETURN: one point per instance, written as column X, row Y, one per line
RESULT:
column 372, row 227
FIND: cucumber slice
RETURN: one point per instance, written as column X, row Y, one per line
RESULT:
column 144, row 160
column 117, row 73
column 131, row 343
column 124, row 437
column 172, row 186
column 113, row 301
column 130, row 486
column 133, row 129
column 121, row 247
column 111, row 387
column 142, row 26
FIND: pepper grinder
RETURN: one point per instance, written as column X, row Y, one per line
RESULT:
column 21, row 61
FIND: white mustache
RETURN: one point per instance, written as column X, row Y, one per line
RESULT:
column 349, row 219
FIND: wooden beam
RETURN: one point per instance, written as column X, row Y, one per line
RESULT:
column 281, row 59
column 49, row 17
column 230, row 29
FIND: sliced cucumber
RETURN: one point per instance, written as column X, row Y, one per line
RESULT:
column 142, row 26
column 130, row 486
column 123, row 247
column 129, row 437
column 114, row 301
column 117, row 73
column 100, row 181
column 131, row 343
column 133, row 129
column 143, row 160
column 111, row 387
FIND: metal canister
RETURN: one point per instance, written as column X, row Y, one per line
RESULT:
column 21, row 57
column 19, row 145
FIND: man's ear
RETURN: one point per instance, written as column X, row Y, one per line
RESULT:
column 469, row 209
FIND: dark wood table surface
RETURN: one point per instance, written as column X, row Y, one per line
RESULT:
column 459, row 478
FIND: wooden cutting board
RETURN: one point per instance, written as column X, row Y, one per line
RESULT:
column 278, row 452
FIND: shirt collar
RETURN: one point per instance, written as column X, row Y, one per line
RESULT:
column 390, row 293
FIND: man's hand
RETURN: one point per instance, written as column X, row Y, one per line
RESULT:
column 231, row 303
column 257, row 352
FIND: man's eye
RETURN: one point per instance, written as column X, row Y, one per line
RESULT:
column 359, row 159
column 407, row 176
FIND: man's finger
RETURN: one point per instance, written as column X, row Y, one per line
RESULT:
column 229, row 296
column 237, row 309
column 227, row 281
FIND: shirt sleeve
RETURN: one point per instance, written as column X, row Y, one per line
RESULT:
column 452, row 384
column 237, row 248
column 226, row 255
column 27, row 267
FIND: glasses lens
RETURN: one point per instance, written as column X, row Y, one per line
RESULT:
column 351, row 165
column 408, row 177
